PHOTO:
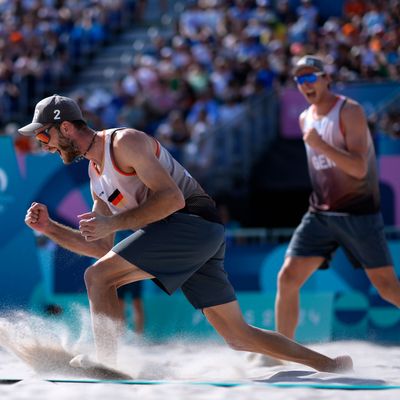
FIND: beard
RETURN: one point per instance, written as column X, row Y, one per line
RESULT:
column 70, row 152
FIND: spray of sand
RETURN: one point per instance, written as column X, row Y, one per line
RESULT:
column 46, row 345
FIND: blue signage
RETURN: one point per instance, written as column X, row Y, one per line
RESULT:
column 20, row 272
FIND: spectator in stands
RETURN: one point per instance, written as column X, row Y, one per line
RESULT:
column 374, row 18
column 91, row 117
column 133, row 113
column 205, row 105
column 43, row 42
column 353, row 8
column 231, row 109
column 220, row 77
column 199, row 151
column 284, row 12
column 174, row 133
column 239, row 14
column 308, row 12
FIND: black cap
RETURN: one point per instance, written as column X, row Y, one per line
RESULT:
column 310, row 62
column 52, row 110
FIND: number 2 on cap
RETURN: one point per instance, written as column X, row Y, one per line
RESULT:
column 56, row 114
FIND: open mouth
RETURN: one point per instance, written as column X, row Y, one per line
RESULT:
column 311, row 94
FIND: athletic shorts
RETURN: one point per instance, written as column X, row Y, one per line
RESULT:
column 183, row 251
column 134, row 289
column 361, row 237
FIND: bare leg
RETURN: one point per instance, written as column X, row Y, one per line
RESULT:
column 138, row 315
column 228, row 321
column 294, row 273
column 102, row 281
column 386, row 282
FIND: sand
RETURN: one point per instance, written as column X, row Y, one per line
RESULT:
column 182, row 359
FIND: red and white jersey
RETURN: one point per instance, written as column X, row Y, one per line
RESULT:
column 122, row 191
column 333, row 189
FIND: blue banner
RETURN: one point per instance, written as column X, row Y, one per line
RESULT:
column 20, row 271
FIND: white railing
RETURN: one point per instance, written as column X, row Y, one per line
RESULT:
column 280, row 235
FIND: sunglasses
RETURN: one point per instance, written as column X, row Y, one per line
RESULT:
column 44, row 136
column 308, row 78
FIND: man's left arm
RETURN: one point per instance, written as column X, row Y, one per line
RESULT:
column 352, row 161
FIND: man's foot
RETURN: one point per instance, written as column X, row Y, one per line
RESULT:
column 343, row 364
column 81, row 361
column 262, row 360
column 96, row 370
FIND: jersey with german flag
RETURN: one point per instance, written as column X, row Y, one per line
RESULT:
column 122, row 191
column 333, row 189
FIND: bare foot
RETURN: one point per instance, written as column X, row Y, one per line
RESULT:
column 262, row 360
column 343, row 364
column 83, row 364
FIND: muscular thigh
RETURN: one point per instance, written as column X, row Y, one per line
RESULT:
column 116, row 270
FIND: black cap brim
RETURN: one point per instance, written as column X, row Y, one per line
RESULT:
column 29, row 130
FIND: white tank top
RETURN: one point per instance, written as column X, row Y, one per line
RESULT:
column 122, row 191
column 333, row 189
column 330, row 131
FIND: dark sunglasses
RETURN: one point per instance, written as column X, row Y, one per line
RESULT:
column 44, row 136
column 308, row 78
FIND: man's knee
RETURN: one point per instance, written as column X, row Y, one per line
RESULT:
column 290, row 277
column 94, row 278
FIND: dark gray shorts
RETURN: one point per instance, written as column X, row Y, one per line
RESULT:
column 182, row 251
column 361, row 237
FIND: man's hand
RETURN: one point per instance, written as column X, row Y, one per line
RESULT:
column 94, row 226
column 313, row 139
column 37, row 217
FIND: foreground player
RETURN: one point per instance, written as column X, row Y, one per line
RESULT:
column 178, row 240
column 344, row 205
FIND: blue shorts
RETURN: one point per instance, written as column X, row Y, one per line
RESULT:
column 362, row 238
column 183, row 251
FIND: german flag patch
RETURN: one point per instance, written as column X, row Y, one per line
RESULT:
column 116, row 197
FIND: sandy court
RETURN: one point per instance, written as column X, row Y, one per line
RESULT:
column 189, row 360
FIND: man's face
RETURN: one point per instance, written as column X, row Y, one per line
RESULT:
column 311, row 83
column 52, row 140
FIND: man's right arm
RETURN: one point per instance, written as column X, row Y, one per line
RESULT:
column 38, row 218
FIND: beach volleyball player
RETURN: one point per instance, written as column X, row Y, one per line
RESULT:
column 344, row 205
column 178, row 240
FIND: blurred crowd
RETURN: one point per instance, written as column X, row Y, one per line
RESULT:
column 222, row 53
column 43, row 43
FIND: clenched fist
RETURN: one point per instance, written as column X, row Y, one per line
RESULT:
column 94, row 226
column 37, row 217
column 313, row 138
